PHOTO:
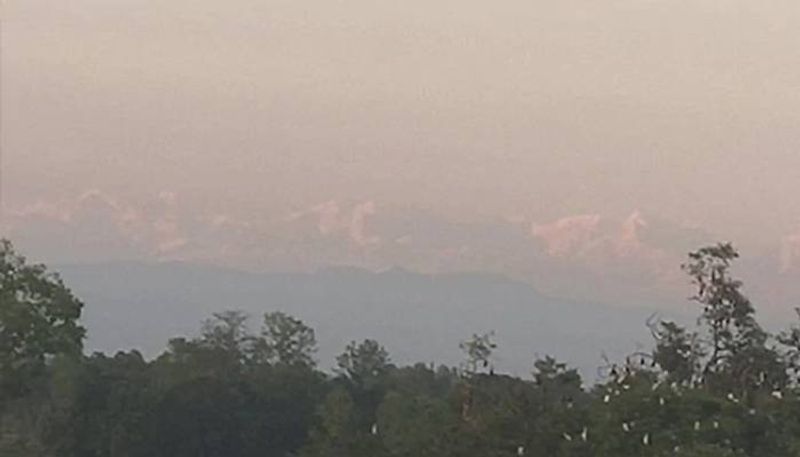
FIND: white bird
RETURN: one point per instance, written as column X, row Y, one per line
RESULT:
column 374, row 430
column 696, row 426
column 584, row 434
column 567, row 437
column 521, row 450
column 661, row 401
column 607, row 398
column 732, row 397
column 716, row 425
column 646, row 439
column 778, row 394
column 626, row 427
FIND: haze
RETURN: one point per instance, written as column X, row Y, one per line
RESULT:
column 557, row 117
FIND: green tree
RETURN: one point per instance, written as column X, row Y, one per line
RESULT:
column 223, row 349
column 364, row 363
column 203, row 417
column 286, row 340
column 364, row 368
column 414, row 425
column 340, row 432
column 677, row 351
column 738, row 356
column 38, row 321
column 228, row 332
column 478, row 350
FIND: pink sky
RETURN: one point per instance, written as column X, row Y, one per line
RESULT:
column 191, row 123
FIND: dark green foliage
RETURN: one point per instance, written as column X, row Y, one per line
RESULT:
column 721, row 389
column 364, row 363
column 735, row 356
column 478, row 351
column 38, row 319
column 287, row 341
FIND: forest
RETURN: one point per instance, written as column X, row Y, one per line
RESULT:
column 724, row 386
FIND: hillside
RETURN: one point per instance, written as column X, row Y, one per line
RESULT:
column 416, row 316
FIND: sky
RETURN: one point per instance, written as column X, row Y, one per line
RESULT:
column 533, row 138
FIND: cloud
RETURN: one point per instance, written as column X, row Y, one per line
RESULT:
column 629, row 237
column 85, row 227
column 358, row 224
column 328, row 216
column 332, row 219
column 168, row 235
column 593, row 237
column 94, row 226
column 568, row 236
column 39, row 210
column 612, row 251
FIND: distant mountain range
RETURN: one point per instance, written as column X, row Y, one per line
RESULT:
column 622, row 259
column 418, row 317
column 631, row 261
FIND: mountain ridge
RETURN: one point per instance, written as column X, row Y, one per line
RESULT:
column 135, row 305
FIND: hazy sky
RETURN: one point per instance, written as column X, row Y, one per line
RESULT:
column 686, row 109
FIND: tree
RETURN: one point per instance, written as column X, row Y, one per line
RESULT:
column 364, row 368
column 340, row 433
column 553, row 376
column 286, row 340
column 790, row 339
column 217, row 395
column 363, row 363
column 715, row 390
column 413, row 425
column 738, row 355
column 478, row 350
column 38, row 321
column 203, row 417
column 227, row 331
column 103, row 406
column 676, row 352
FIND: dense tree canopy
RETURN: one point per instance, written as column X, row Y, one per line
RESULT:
column 38, row 320
column 722, row 388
